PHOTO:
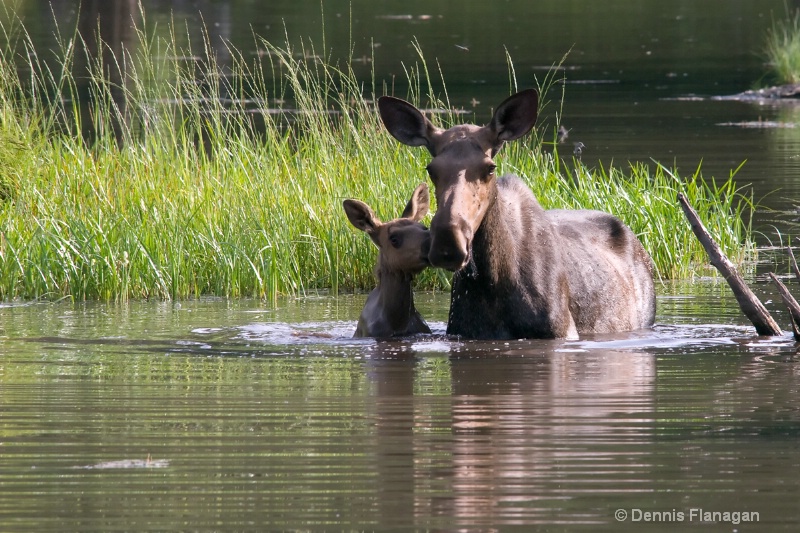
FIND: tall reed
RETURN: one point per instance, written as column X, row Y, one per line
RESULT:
column 783, row 48
column 199, row 182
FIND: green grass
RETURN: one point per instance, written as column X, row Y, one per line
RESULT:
column 783, row 49
column 254, row 210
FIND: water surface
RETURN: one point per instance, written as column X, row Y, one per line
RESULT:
column 220, row 415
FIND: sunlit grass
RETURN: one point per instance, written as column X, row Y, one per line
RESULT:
column 783, row 49
column 205, row 189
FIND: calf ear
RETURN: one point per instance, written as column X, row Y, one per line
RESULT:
column 417, row 207
column 406, row 123
column 361, row 216
column 515, row 116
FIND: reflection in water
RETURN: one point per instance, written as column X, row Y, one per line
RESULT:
column 511, row 431
column 392, row 411
column 106, row 29
column 784, row 149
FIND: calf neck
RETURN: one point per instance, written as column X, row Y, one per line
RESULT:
column 521, row 271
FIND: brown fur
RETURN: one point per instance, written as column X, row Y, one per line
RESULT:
column 521, row 271
column 402, row 253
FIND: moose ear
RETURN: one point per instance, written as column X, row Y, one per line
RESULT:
column 361, row 216
column 515, row 116
column 417, row 207
column 406, row 123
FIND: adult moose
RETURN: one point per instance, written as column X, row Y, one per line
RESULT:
column 520, row 271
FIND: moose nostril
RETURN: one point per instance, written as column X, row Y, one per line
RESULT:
column 450, row 257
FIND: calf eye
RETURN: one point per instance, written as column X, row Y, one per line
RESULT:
column 396, row 240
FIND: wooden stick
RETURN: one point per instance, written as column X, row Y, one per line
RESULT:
column 791, row 304
column 749, row 303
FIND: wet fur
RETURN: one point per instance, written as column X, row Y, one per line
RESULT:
column 549, row 274
column 389, row 310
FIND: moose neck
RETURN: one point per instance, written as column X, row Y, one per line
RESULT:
column 493, row 244
column 515, row 286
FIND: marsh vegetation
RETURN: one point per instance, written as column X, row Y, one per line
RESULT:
column 783, row 49
column 198, row 179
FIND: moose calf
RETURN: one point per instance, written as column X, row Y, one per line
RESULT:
column 403, row 246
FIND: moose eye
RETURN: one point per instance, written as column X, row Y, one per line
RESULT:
column 396, row 240
column 489, row 173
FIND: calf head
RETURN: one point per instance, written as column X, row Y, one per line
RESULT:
column 403, row 242
column 462, row 168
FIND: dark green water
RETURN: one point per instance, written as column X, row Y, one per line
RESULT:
column 231, row 415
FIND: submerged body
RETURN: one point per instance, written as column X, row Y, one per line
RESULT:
column 521, row 271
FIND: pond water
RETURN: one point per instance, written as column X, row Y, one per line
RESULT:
column 236, row 415
column 229, row 415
